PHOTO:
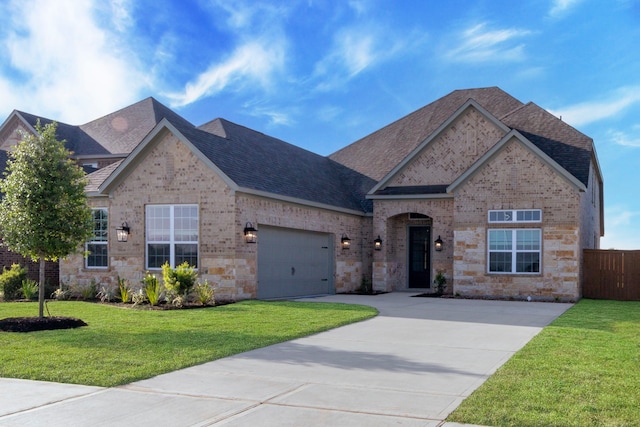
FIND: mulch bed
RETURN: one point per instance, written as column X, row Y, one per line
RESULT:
column 31, row 324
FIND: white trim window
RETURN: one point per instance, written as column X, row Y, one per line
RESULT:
column 97, row 247
column 515, row 251
column 515, row 215
column 172, row 235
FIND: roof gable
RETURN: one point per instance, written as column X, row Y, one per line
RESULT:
column 469, row 106
column 566, row 145
column 75, row 139
column 260, row 162
column 250, row 161
column 514, row 135
column 377, row 154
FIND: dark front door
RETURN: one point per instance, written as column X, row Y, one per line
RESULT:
column 419, row 259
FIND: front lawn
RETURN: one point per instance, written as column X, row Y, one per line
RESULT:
column 582, row 370
column 122, row 345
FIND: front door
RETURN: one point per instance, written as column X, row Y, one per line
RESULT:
column 419, row 257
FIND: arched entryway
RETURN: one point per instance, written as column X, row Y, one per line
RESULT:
column 405, row 261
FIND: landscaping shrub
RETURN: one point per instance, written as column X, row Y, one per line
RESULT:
column 125, row 290
column 179, row 280
column 85, row 291
column 11, row 281
column 62, row 293
column 138, row 297
column 204, row 293
column 107, row 293
column 29, row 288
column 152, row 288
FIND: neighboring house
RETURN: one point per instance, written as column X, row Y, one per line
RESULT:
column 500, row 196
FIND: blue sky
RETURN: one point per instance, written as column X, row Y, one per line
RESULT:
column 323, row 73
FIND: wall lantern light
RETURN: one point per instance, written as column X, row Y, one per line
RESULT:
column 345, row 241
column 438, row 244
column 250, row 233
column 377, row 244
column 122, row 232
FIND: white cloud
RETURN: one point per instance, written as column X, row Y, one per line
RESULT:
column 481, row 44
column 624, row 139
column 253, row 62
column 593, row 111
column 356, row 49
column 62, row 64
column 560, row 7
column 278, row 116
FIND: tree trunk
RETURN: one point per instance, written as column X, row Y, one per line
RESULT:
column 41, row 288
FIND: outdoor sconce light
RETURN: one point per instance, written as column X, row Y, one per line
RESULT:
column 345, row 241
column 377, row 244
column 250, row 233
column 438, row 244
column 122, row 232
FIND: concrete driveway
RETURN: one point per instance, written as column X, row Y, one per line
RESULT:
column 411, row 366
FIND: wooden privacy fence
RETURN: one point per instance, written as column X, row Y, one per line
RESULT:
column 609, row 274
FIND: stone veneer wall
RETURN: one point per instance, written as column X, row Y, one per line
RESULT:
column 391, row 221
column 517, row 179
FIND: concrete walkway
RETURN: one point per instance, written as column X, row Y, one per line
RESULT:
column 410, row 366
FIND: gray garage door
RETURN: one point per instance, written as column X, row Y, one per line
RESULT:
column 293, row 263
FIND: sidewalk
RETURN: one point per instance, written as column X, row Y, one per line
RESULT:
column 411, row 366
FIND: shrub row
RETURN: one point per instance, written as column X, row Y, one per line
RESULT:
column 179, row 286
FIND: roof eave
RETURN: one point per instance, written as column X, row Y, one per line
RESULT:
column 161, row 129
column 299, row 201
column 409, row 196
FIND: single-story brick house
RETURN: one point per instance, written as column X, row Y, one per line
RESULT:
column 500, row 196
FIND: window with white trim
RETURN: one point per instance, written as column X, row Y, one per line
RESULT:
column 172, row 235
column 97, row 246
column 515, row 250
column 515, row 215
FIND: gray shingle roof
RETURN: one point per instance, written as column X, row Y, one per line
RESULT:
column 120, row 131
column 413, row 190
column 77, row 141
column 564, row 144
column 260, row 162
column 115, row 133
column 95, row 179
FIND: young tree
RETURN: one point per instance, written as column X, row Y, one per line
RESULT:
column 44, row 213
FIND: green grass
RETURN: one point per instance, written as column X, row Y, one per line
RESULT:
column 122, row 345
column 582, row 370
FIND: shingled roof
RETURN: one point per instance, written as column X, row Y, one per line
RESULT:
column 77, row 141
column 376, row 154
column 117, row 133
column 260, row 162
column 564, row 144
column 120, row 131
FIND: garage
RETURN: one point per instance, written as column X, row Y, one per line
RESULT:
column 294, row 263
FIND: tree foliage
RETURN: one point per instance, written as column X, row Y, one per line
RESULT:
column 44, row 213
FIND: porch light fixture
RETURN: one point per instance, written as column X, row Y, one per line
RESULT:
column 438, row 244
column 250, row 233
column 377, row 244
column 122, row 232
column 345, row 241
